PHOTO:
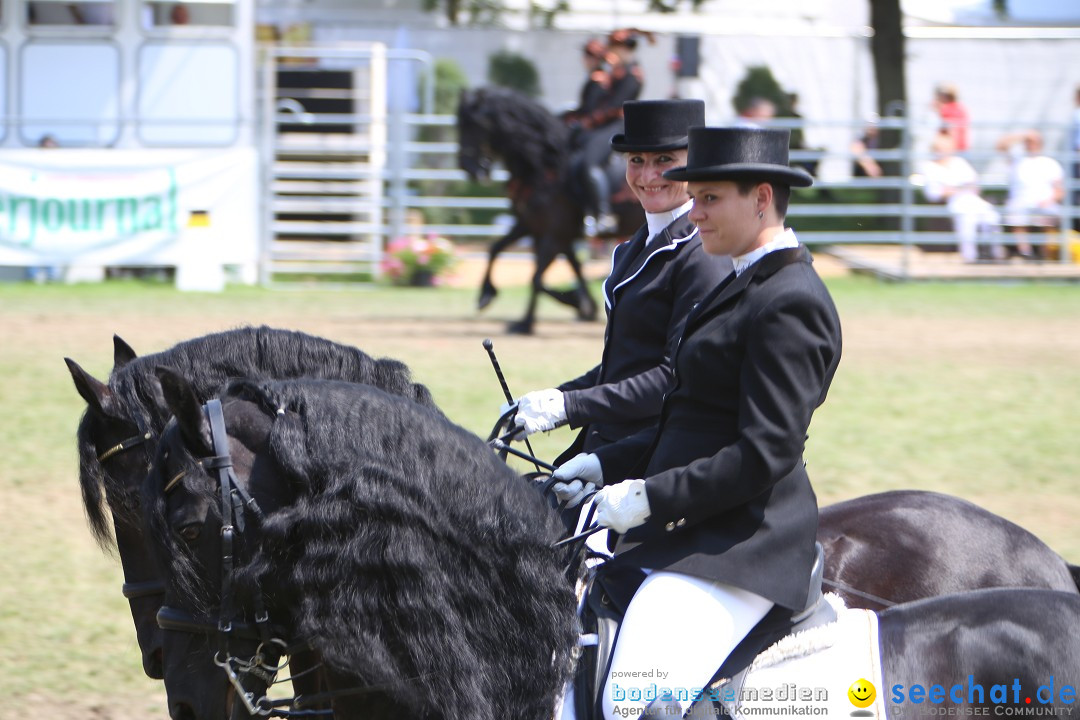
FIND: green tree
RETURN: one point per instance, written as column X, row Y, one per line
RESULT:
column 514, row 71
column 450, row 80
column 760, row 83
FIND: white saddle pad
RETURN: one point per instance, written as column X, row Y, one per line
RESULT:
column 808, row 674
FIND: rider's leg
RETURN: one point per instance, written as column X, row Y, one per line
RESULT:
column 676, row 632
column 595, row 154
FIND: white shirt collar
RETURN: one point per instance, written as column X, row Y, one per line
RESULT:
column 658, row 221
column 781, row 241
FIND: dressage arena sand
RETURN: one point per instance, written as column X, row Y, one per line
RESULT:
column 444, row 351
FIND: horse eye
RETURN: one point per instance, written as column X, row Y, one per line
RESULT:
column 190, row 533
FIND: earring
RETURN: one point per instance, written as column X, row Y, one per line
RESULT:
column 761, row 215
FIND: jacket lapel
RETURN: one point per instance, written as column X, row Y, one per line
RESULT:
column 629, row 263
column 732, row 286
column 623, row 263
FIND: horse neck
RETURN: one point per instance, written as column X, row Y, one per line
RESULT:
column 526, row 162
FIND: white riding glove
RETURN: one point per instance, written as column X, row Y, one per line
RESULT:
column 579, row 476
column 540, row 410
column 622, row 506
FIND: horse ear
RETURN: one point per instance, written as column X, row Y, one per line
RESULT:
column 122, row 353
column 184, row 404
column 96, row 393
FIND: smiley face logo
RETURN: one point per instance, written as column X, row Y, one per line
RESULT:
column 861, row 693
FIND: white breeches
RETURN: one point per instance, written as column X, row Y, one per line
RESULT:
column 677, row 631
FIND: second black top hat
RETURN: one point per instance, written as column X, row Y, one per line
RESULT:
column 735, row 153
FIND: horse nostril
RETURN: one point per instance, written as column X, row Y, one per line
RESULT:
column 152, row 665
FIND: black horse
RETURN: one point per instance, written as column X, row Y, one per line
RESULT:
column 533, row 144
column 124, row 418
column 926, row 544
column 395, row 544
column 419, row 568
column 893, row 547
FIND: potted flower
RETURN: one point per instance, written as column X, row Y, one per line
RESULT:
column 417, row 261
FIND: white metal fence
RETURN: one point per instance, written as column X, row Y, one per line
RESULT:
column 421, row 188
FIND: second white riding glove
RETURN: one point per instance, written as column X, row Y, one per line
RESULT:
column 622, row 506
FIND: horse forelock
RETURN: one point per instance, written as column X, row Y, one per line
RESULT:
column 184, row 574
column 92, row 484
column 417, row 559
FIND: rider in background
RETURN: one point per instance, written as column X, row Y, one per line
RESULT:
column 656, row 278
column 717, row 515
column 593, row 93
column 603, row 120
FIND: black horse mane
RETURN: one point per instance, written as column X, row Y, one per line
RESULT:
column 531, row 141
column 412, row 558
column 209, row 363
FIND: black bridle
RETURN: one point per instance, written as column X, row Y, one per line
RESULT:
column 236, row 505
column 144, row 588
column 264, row 665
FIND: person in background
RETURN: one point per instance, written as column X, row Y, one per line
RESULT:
column 1036, row 188
column 952, row 180
column 713, row 507
column 757, row 113
column 863, row 162
column 594, row 91
column 656, row 278
column 953, row 115
column 603, row 121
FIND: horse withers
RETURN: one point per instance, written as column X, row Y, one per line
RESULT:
column 534, row 146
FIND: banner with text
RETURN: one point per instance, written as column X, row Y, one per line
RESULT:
column 119, row 207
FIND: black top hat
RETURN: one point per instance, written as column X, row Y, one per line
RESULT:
column 731, row 153
column 657, row 125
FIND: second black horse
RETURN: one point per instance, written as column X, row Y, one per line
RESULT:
column 534, row 146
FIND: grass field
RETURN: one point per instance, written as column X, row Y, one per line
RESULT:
column 970, row 390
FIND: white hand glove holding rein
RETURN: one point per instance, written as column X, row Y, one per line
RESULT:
column 578, row 477
column 540, row 410
column 622, row 506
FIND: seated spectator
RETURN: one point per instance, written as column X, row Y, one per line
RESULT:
column 1036, row 188
column 950, row 179
column 863, row 163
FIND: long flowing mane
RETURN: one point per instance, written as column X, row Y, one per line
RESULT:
column 523, row 133
column 210, row 362
column 412, row 558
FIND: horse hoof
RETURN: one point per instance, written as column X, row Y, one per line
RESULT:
column 486, row 297
column 586, row 309
column 588, row 314
column 521, row 327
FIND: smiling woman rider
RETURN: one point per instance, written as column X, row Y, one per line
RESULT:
column 656, row 278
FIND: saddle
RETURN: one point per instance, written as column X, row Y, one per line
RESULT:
column 605, row 603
